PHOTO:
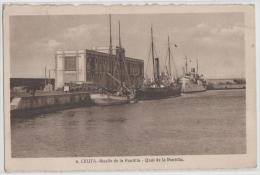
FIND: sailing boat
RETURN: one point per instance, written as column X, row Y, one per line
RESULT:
column 158, row 89
column 123, row 95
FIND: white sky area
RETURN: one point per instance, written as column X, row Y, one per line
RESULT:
column 216, row 39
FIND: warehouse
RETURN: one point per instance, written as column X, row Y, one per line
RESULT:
column 93, row 66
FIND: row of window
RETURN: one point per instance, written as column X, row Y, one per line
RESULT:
column 99, row 76
column 103, row 65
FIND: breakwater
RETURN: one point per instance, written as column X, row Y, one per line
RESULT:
column 225, row 86
column 26, row 106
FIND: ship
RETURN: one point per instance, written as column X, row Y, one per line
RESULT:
column 191, row 81
column 123, row 94
column 159, row 88
column 104, row 99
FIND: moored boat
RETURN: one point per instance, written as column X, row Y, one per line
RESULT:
column 150, row 93
column 159, row 88
column 109, row 99
column 123, row 94
column 193, row 82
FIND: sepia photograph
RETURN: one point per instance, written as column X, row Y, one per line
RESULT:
column 138, row 87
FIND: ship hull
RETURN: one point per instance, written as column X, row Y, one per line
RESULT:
column 193, row 91
column 106, row 100
column 151, row 93
column 190, row 86
column 193, row 88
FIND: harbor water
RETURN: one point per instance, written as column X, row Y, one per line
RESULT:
column 211, row 122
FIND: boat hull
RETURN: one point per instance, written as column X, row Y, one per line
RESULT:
column 106, row 100
column 151, row 93
column 193, row 88
column 193, row 91
column 189, row 86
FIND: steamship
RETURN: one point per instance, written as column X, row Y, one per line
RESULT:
column 192, row 81
column 159, row 89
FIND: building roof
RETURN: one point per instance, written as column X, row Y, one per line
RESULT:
column 106, row 54
column 73, row 52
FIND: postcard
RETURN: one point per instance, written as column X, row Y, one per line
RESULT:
column 148, row 87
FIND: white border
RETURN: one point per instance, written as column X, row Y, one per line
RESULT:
column 108, row 2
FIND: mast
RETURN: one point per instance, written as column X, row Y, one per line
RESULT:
column 120, row 55
column 157, row 65
column 186, row 65
column 110, row 57
column 197, row 66
column 45, row 76
column 110, row 37
column 169, row 54
column 154, row 73
column 183, row 70
column 119, row 35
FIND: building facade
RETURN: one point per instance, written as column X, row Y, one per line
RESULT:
column 97, row 68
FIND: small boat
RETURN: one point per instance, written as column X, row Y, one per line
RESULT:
column 109, row 99
column 122, row 96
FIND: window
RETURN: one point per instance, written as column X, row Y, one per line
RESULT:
column 70, row 63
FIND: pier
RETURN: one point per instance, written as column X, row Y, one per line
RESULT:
column 226, row 84
column 43, row 103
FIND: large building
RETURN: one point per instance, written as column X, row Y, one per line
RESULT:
column 97, row 68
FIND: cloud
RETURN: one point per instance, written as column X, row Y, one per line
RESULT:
column 53, row 43
column 76, row 31
column 45, row 44
column 227, row 32
column 81, row 37
column 203, row 29
column 80, row 31
column 208, row 36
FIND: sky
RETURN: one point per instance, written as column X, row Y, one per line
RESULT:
column 215, row 39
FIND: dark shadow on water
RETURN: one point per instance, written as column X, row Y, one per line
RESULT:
column 71, row 113
column 115, row 120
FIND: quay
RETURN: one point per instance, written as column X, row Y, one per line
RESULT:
column 226, row 84
column 226, row 87
column 48, row 102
